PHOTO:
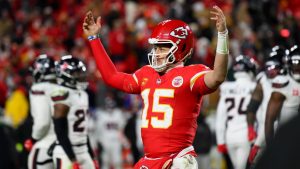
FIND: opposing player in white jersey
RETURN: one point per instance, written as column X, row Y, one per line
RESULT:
column 42, row 136
column 231, row 124
column 69, row 106
column 256, row 111
column 284, row 102
column 110, row 125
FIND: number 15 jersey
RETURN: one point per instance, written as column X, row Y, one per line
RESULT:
column 171, row 106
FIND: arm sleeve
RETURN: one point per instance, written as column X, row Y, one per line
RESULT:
column 61, row 130
column 197, row 82
column 110, row 75
column 221, row 122
column 40, row 111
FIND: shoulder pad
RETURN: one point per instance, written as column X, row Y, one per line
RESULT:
column 59, row 95
column 280, row 82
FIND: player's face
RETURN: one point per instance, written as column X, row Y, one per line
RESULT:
column 161, row 52
column 296, row 69
column 271, row 71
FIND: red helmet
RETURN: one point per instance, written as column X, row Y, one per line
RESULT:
column 178, row 35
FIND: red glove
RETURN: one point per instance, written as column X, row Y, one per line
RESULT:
column 75, row 165
column 28, row 144
column 96, row 164
column 222, row 148
column 251, row 133
column 253, row 153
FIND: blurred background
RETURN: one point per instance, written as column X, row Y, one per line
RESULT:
column 32, row 27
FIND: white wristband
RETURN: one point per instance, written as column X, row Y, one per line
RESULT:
column 222, row 44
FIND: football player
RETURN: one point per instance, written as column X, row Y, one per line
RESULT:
column 231, row 124
column 69, row 107
column 172, row 92
column 42, row 136
column 274, row 66
column 284, row 102
column 109, row 127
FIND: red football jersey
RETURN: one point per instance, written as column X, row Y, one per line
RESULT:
column 171, row 107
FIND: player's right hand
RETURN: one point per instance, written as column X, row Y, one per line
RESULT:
column 253, row 153
column 251, row 133
column 75, row 165
column 28, row 144
column 222, row 148
column 90, row 27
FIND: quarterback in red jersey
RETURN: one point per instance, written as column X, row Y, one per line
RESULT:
column 171, row 92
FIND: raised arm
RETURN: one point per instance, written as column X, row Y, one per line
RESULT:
column 110, row 75
column 214, row 78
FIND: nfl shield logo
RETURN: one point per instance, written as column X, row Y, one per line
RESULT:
column 177, row 81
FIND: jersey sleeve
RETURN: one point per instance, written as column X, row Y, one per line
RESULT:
column 221, row 121
column 40, row 111
column 110, row 74
column 197, row 83
column 61, row 96
column 279, row 84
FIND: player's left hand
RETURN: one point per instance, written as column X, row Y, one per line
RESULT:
column 253, row 153
column 218, row 16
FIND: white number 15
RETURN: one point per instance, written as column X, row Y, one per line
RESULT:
column 165, row 109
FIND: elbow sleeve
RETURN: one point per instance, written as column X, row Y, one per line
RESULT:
column 61, row 130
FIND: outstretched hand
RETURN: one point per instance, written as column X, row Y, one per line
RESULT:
column 218, row 16
column 90, row 27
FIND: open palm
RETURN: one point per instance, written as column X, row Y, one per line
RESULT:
column 90, row 27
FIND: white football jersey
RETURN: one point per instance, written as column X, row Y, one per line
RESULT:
column 291, row 91
column 40, row 106
column 231, row 124
column 77, row 100
column 110, row 125
column 267, row 89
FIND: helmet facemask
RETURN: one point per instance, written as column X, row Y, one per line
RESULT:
column 295, row 67
column 161, row 61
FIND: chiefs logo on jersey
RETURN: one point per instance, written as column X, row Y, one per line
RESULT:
column 180, row 33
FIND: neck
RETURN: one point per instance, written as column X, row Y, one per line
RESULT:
column 176, row 65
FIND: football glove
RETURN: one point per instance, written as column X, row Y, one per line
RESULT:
column 28, row 144
column 253, row 153
column 96, row 164
column 251, row 133
column 75, row 165
column 222, row 148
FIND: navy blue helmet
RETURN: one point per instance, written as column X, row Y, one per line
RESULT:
column 71, row 72
column 43, row 68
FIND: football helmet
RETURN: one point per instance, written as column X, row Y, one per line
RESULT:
column 175, row 34
column 71, row 72
column 43, row 69
column 244, row 63
column 275, row 62
column 294, row 62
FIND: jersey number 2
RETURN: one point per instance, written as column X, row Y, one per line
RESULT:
column 80, row 118
column 165, row 109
